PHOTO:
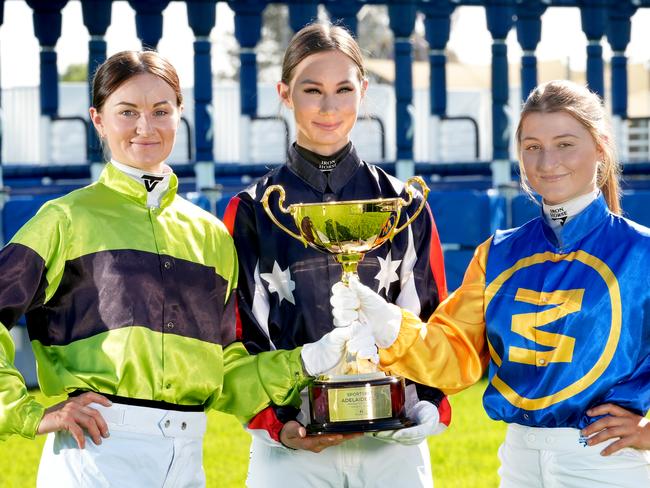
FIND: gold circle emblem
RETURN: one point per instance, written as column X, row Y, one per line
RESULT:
column 607, row 354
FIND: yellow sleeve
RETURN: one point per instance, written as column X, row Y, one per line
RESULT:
column 450, row 351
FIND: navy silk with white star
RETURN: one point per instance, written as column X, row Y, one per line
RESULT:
column 284, row 287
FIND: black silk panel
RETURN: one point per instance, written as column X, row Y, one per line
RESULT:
column 22, row 282
column 121, row 288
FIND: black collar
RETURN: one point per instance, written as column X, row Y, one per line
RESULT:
column 323, row 163
column 335, row 179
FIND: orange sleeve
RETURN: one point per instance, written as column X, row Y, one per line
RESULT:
column 450, row 351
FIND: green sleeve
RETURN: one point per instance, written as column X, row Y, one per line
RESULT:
column 252, row 383
column 20, row 413
column 30, row 269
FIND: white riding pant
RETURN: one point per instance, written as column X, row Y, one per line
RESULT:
column 147, row 447
column 535, row 457
column 364, row 462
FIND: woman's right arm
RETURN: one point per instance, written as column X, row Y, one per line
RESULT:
column 275, row 425
column 31, row 266
column 240, row 220
column 28, row 268
column 450, row 351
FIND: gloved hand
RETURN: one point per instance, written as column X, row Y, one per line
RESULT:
column 427, row 422
column 358, row 302
column 362, row 343
column 321, row 356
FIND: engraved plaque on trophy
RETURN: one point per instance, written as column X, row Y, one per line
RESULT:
column 357, row 396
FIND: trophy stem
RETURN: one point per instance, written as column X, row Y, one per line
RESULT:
column 349, row 262
column 345, row 277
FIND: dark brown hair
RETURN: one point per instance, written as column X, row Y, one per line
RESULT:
column 587, row 108
column 319, row 37
column 122, row 66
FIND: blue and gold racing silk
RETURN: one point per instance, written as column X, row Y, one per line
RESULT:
column 567, row 322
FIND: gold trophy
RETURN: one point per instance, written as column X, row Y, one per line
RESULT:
column 357, row 397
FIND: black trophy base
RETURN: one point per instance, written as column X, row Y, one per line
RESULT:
column 364, row 426
column 368, row 402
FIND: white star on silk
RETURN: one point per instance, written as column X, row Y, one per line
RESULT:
column 280, row 282
column 387, row 272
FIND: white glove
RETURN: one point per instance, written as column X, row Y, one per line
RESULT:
column 362, row 343
column 358, row 302
column 427, row 422
column 323, row 355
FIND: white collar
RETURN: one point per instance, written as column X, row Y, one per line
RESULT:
column 557, row 216
column 156, row 184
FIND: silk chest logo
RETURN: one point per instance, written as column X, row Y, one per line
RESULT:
column 151, row 181
column 526, row 325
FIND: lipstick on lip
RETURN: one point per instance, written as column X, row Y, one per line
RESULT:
column 553, row 177
column 327, row 126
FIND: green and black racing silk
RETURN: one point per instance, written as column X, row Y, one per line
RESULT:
column 131, row 301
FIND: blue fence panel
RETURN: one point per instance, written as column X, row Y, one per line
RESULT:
column 467, row 217
column 456, row 262
column 19, row 209
column 636, row 206
column 199, row 199
column 524, row 209
column 464, row 219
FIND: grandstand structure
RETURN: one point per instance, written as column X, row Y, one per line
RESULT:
column 470, row 198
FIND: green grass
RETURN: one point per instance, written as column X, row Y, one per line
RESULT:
column 464, row 456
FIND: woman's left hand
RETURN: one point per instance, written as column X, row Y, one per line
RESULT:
column 630, row 429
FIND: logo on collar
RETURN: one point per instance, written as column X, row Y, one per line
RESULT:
column 559, row 214
column 327, row 165
column 151, row 181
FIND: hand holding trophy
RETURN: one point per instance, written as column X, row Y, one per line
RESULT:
column 356, row 396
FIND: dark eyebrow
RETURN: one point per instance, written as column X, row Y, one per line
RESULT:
column 312, row 82
column 157, row 104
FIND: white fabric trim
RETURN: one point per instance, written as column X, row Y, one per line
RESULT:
column 261, row 307
column 408, row 295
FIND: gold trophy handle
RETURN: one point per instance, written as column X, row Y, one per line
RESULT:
column 409, row 190
column 267, row 209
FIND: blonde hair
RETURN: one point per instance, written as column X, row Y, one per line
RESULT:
column 587, row 108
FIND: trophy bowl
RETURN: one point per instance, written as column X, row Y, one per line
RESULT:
column 356, row 396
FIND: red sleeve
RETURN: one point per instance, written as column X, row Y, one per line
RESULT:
column 436, row 259
column 267, row 420
column 230, row 213
column 229, row 221
column 444, row 409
